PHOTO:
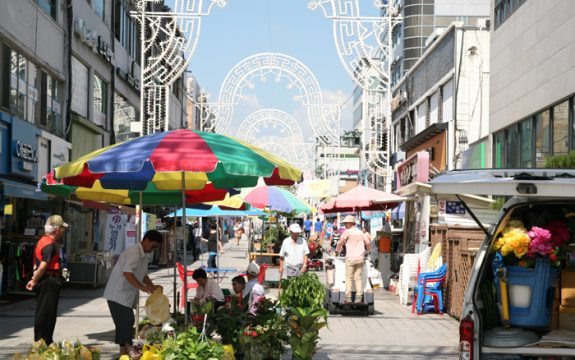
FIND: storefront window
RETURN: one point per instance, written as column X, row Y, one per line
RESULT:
column 526, row 142
column 99, row 8
column 512, row 160
column 542, row 138
column 79, row 88
column 499, row 149
column 124, row 114
column 561, row 128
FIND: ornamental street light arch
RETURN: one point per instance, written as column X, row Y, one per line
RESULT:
column 364, row 45
column 324, row 119
column 288, row 136
column 167, row 43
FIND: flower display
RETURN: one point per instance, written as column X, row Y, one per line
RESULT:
column 515, row 240
column 522, row 247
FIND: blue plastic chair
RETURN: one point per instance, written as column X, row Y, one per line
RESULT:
column 429, row 284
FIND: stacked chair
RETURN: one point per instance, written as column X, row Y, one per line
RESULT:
column 429, row 284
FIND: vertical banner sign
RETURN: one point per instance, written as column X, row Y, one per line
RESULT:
column 115, row 233
column 131, row 231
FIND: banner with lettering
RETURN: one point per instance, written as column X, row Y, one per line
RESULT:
column 115, row 233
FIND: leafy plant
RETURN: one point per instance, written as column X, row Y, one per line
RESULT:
column 561, row 161
column 305, row 291
column 305, row 324
column 66, row 350
column 228, row 322
column 190, row 345
column 264, row 335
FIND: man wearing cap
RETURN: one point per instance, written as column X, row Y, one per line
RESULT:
column 253, row 293
column 293, row 253
column 356, row 245
column 46, row 278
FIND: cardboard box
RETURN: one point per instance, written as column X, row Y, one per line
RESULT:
column 567, row 318
column 568, row 288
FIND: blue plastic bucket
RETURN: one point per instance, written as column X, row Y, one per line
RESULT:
column 531, row 294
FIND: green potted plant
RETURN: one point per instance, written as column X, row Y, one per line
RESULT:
column 305, row 320
column 305, row 324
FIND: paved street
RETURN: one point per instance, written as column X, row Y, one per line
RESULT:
column 392, row 333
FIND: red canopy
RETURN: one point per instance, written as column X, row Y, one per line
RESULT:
column 362, row 198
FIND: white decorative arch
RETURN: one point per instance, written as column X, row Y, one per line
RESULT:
column 324, row 118
column 171, row 39
column 288, row 136
column 364, row 45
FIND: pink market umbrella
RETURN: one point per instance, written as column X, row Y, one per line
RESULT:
column 275, row 199
column 362, row 198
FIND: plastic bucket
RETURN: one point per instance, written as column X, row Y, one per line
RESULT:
column 531, row 294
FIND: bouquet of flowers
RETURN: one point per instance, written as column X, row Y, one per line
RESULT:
column 522, row 247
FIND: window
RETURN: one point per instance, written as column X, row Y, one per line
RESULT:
column 19, row 88
column 99, row 8
column 79, row 88
column 504, row 9
column 100, row 104
column 526, row 141
column 561, row 128
column 50, row 7
column 499, row 149
column 572, row 123
column 512, row 160
column 542, row 138
column 124, row 115
column 126, row 30
column 53, row 98
column 5, row 76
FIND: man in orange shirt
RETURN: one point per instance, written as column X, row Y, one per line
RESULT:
column 46, row 278
column 356, row 245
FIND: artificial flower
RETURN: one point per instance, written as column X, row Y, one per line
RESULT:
column 540, row 243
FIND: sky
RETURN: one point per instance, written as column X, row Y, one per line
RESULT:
column 247, row 27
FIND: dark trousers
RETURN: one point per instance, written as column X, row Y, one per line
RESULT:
column 47, row 294
column 124, row 321
column 212, row 262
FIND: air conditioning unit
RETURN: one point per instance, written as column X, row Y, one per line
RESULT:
column 484, row 23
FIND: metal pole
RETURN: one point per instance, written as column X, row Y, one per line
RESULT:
column 185, row 261
column 142, row 65
column 138, row 238
column 176, row 310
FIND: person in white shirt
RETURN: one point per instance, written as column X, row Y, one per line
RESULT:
column 128, row 276
column 293, row 253
column 254, row 292
column 207, row 290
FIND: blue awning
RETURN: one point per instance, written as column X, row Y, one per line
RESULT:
column 21, row 190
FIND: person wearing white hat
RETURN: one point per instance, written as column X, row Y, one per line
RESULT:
column 254, row 292
column 293, row 253
column 356, row 245
column 46, row 278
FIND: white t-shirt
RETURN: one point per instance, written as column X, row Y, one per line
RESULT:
column 293, row 253
column 118, row 289
column 212, row 290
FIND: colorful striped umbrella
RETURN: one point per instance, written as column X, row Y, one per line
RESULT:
column 150, row 196
column 276, row 199
column 163, row 159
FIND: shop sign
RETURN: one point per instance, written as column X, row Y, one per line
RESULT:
column 26, row 151
column 115, row 233
column 414, row 169
column 454, row 207
column 24, row 148
column 92, row 39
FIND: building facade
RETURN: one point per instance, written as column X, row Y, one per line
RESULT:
column 440, row 120
column 424, row 18
column 532, row 92
column 69, row 73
